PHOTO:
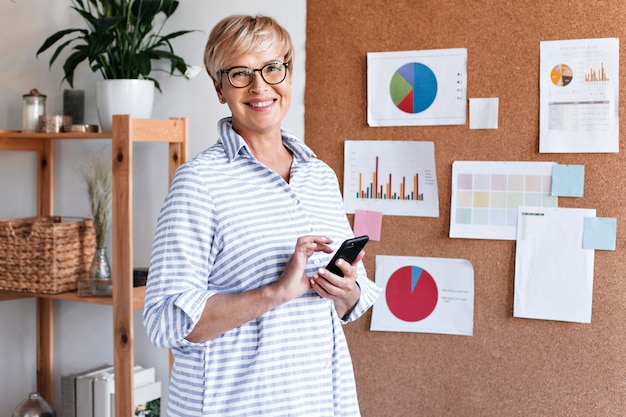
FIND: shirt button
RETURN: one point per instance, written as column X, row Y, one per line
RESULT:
column 317, row 262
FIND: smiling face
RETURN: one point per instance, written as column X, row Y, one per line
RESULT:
column 259, row 108
column 252, row 42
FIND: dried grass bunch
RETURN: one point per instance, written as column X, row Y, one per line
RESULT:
column 98, row 179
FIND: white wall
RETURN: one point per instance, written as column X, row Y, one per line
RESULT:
column 83, row 332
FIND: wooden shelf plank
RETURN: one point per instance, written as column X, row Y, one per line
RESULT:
column 137, row 296
column 24, row 136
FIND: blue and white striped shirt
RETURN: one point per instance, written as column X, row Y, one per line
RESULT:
column 229, row 224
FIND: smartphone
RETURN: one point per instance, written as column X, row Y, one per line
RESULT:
column 348, row 251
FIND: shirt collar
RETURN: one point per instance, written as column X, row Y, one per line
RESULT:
column 235, row 145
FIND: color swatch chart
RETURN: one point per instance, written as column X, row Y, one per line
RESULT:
column 392, row 177
column 486, row 195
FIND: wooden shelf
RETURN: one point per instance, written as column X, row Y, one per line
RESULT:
column 125, row 299
column 17, row 134
column 138, row 296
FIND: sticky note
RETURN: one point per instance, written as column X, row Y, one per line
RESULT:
column 367, row 222
column 568, row 180
column 483, row 113
column 599, row 233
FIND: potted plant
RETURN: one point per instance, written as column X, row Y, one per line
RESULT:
column 121, row 41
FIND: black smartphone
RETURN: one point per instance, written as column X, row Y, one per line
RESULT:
column 348, row 251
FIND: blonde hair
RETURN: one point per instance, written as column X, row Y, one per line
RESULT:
column 238, row 35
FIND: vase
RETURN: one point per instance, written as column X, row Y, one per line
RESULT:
column 34, row 406
column 133, row 97
column 100, row 270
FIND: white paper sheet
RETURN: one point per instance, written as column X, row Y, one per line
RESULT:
column 417, row 88
column 579, row 92
column 397, row 178
column 553, row 273
column 424, row 295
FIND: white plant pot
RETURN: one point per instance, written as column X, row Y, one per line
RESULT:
column 134, row 97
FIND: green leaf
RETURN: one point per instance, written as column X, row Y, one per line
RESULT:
column 55, row 38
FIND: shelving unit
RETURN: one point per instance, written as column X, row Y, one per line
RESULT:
column 125, row 299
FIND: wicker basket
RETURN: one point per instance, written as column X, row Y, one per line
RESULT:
column 45, row 254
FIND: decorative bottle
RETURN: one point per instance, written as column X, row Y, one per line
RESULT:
column 34, row 406
column 100, row 270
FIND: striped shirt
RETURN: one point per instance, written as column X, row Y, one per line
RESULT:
column 229, row 224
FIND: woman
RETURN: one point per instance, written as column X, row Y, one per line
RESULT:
column 237, row 286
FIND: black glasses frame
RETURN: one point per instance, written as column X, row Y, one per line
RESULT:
column 260, row 70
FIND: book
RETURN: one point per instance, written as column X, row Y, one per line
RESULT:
column 68, row 390
column 147, row 400
column 84, row 392
column 104, row 387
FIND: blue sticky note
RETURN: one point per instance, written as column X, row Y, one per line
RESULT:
column 568, row 180
column 599, row 233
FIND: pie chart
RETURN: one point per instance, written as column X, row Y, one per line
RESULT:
column 411, row 293
column 561, row 75
column 413, row 87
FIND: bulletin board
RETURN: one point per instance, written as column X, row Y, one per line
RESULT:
column 510, row 366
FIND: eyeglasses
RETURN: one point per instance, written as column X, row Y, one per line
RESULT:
column 240, row 77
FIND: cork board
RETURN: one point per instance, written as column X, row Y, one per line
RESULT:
column 510, row 366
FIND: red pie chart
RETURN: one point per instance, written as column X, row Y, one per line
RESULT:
column 411, row 293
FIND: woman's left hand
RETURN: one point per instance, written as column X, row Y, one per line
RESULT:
column 344, row 291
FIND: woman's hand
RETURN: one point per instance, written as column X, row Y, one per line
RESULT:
column 223, row 312
column 344, row 291
column 293, row 282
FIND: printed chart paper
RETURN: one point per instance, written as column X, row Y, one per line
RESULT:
column 424, row 295
column 417, row 88
column 579, row 91
column 486, row 195
column 393, row 177
column 553, row 273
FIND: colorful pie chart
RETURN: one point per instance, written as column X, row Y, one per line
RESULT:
column 411, row 293
column 561, row 75
column 413, row 87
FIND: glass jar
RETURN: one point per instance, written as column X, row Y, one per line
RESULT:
column 34, row 105
column 34, row 406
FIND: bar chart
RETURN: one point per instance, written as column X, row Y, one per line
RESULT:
column 377, row 189
column 393, row 177
column 596, row 75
